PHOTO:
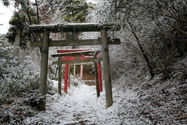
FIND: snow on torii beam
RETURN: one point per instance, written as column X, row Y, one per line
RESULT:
column 76, row 59
column 69, row 27
column 90, row 53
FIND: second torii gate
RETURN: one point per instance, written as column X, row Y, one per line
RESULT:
column 45, row 43
column 78, row 59
column 86, row 53
column 68, row 59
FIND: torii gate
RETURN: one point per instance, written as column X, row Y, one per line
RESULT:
column 79, row 59
column 74, row 28
column 78, row 56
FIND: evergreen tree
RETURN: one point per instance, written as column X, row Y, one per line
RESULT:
column 74, row 11
column 24, row 15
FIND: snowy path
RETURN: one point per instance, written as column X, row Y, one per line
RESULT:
column 80, row 106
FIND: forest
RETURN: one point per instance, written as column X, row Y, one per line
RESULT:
column 148, row 68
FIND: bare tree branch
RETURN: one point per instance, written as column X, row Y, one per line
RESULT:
column 177, row 28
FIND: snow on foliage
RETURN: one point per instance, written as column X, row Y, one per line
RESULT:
column 19, row 71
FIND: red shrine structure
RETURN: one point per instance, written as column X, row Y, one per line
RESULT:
column 80, row 57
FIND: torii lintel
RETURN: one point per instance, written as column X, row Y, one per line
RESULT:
column 70, row 27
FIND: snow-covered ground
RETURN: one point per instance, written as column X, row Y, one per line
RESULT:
column 142, row 103
column 136, row 102
column 80, row 105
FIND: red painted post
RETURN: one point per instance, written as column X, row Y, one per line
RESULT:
column 66, row 77
column 100, row 77
column 69, row 76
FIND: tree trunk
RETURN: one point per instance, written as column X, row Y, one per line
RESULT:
column 150, row 68
column 27, row 9
column 37, row 11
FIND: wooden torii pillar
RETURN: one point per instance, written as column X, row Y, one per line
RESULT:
column 74, row 28
column 43, row 71
column 106, row 65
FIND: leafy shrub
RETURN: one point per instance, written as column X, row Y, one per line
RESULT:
column 19, row 75
column 19, row 86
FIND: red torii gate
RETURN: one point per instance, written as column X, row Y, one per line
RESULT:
column 82, row 57
column 77, row 54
